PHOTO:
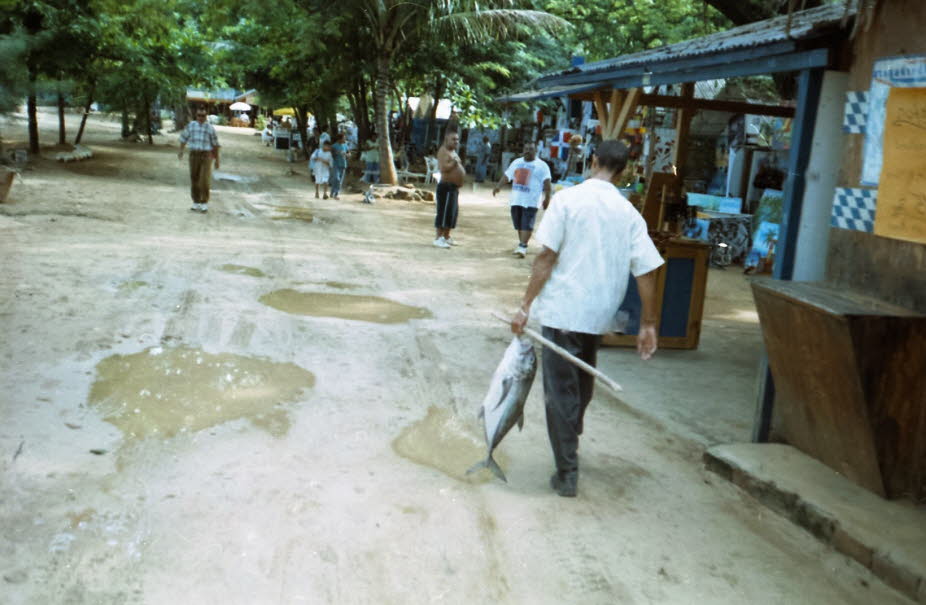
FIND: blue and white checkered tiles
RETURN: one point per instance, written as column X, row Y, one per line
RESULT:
column 854, row 209
column 856, row 112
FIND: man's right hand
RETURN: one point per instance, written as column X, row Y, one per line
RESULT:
column 646, row 341
column 519, row 321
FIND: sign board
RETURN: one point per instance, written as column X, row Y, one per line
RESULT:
column 893, row 72
column 901, row 211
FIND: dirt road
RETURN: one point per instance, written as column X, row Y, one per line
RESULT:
column 275, row 403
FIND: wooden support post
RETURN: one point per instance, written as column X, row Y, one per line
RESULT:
column 680, row 157
column 617, row 99
column 601, row 106
column 627, row 109
column 810, row 83
column 682, row 127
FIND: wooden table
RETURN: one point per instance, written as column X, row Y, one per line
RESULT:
column 850, row 382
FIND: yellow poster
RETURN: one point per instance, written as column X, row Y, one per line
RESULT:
column 901, row 211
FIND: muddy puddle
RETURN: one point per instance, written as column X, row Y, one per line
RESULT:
column 161, row 392
column 343, row 306
column 293, row 212
column 243, row 270
column 339, row 285
column 131, row 286
column 443, row 441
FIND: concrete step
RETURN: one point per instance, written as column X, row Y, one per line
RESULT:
column 887, row 537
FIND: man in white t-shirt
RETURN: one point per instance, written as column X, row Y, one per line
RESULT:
column 592, row 239
column 530, row 179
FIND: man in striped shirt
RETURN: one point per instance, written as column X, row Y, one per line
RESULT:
column 204, row 149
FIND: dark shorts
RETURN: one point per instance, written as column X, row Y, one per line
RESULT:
column 447, row 206
column 523, row 218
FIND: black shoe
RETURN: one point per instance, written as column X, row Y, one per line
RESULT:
column 565, row 487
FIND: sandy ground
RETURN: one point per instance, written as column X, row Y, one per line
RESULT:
column 275, row 403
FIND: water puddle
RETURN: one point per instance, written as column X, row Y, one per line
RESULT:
column 161, row 392
column 339, row 285
column 131, row 286
column 293, row 212
column 343, row 306
column 443, row 441
column 242, row 270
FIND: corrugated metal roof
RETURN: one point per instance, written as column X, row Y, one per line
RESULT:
column 546, row 93
column 802, row 25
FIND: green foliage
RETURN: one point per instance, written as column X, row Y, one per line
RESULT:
column 316, row 55
column 13, row 76
column 609, row 28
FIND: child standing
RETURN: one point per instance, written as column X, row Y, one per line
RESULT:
column 320, row 165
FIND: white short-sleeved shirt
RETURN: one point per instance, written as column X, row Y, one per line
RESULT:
column 527, row 181
column 600, row 239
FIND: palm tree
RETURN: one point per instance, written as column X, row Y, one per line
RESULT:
column 399, row 27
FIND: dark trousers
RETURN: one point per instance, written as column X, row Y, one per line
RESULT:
column 567, row 391
column 200, row 176
column 336, row 178
column 447, row 198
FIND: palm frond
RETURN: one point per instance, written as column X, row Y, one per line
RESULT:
column 498, row 24
column 492, row 67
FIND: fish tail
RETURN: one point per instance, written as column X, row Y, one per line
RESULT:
column 495, row 468
column 490, row 464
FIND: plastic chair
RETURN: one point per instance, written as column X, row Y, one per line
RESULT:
column 432, row 172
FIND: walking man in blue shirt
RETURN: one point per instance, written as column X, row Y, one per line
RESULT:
column 204, row 150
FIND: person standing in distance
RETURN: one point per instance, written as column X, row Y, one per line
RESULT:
column 448, row 189
column 483, row 154
column 530, row 178
column 204, row 150
column 593, row 239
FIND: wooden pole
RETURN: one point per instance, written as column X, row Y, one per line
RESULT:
column 601, row 106
column 603, row 378
column 629, row 106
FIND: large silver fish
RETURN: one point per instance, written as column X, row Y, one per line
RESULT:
column 503, row 405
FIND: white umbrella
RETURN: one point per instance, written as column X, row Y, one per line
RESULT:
column 240, row 106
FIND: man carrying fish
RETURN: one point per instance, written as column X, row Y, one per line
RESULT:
column 593, row 239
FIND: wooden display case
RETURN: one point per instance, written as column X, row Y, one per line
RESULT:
column 681, row 284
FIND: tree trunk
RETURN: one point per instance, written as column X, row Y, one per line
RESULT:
column 181, row 114
column 62, row 135
column 302, row 123
column 431, row 131
column 387, row 172
column 83, row 118
column 353, row 100
column 125, row 123
column 31, row 110
column 148, row 121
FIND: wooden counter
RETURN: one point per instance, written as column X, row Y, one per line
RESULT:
column 850, row 381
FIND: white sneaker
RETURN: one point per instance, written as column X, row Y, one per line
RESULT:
column 194, row 207
column 520, row 251
column 450, row 241
column 441, row 243
column 203, row 207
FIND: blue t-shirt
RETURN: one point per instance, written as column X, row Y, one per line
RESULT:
column 339, row 153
